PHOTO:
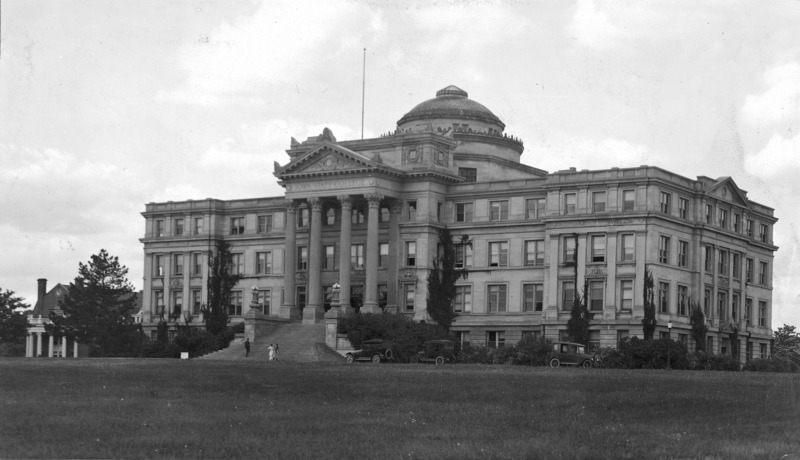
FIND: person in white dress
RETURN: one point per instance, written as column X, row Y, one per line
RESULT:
column 271, row 351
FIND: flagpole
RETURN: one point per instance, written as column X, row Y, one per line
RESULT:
column 363, row 86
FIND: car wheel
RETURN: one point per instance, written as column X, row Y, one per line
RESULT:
column 414, row 359
column 350, row 358
column 555, row 362
column 439, row 360
column 587, row 364
column 389, row 354
column 376, row 359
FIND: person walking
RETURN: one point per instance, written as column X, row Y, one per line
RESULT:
column 246, row 347
column 275, row 353
column 271, row 351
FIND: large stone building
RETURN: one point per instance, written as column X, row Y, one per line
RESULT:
column 364, row 214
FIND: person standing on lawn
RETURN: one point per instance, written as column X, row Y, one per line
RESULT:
column 276, row 352
column 246, row 347
column 271, row 351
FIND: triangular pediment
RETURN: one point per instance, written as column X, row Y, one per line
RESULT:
column 329, row 158
column 726, row 190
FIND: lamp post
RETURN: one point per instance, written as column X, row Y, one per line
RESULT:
column 335, row 289
column 669, row 343
column 254, row 302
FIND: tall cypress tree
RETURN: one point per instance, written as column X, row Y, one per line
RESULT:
column 649, row 320
column 699, row 329
column 442, row 279
column 220, row 283
column 578, row 323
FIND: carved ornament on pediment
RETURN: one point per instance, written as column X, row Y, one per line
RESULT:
column 301, row 277
column 441, row 157
column 412, row 154
column 597, row 272
column 176, row 283
column 723, row 282
column 330, row 162
column 407, row 274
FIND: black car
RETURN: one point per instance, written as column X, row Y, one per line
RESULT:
column 570, row 354
column 435, row 351
column 374, row 350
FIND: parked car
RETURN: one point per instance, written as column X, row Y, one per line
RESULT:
column 374, row 350
column 435, row 351
column 570, row 354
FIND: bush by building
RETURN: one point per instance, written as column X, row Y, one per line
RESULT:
column 771, row 365
column 407, row 337
column 635, row 353
column 702, row 361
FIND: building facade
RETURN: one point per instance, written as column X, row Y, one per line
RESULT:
column 364, row 214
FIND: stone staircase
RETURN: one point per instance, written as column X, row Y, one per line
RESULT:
column 298, row 342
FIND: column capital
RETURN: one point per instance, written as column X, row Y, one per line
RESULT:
column 397, row 207
column 315, row 202
column 374, row 199
column 291, row 205
column 345, row 201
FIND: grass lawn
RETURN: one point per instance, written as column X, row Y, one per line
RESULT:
column 130, row 408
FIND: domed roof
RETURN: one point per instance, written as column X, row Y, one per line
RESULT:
column 451, row 102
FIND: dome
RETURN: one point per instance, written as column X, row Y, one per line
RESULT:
column 451, row 102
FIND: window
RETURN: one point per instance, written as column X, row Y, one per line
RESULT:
column 197, row 264
column 735, row 307
column 302, row 217
column 302, row 258
column 628, row 200
column 709, row 262
column 159, row 228
column 177, row 302
column 598, row 248
column 462, row 337
column 570, row 203
column 723, row 218
column 748, row 311
column 683, row 338
column 762, row 273
column 709, row 344
column 263, row 263
column 762, row 233
column 683, row 208
column 462, row 302
column 463, row 255
column 409, row 296
column 707, row 302
column 236, row 266
column 722, row 302
column 663, row 250
column 596, row 295
column 439, row 211
column 302, row 297
column 683, row 254
column 264, row 224
column 532, row 297
column 663, row 297
column 498, row 254
column 330, row 216
column 534, row 253
column 177, row 264
column 750, row 224
column 748, row 270
column 626, row 254
column 265, row 296
column 683, row 299
column 469, row 174
column 158, row 301
column 357, row 215
column 626, row 294
column 329, row 262
column 411, row 209
column 622, row 335
column 158, row 265
column 736, row 265
column 762, row 349
column 383, row 296
column 749, row 351
column 411, row 253
column 567, row 295
column 498, row 294
column 178, row 227
column 569, row 250
column 385, row 214
column 357, row 256
column 235, row 307
column 498, row 210
column 762, row 313
column 198, row 225
column 383, row 255
column 197, row 301
column 709, row 213
column 495, row 339
column 722, row 263
column 599, row 202
column 666, row 202
column 737, row 223
column 534, row 208
column 237, row 226
column 464, row 212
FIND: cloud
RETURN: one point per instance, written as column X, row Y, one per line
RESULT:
column 781, row 156
column 781, row 99
column 592, row 28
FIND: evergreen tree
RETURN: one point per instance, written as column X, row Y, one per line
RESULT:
column 649, row 321
column 220, row 283
column 13, row 324
column 786, row 343
column 442, row 279
column 578, row 324
column 99, row 308
column 699, row 329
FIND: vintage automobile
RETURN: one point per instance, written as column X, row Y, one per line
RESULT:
column 374, row 350
column 435, row 351
column 570, row 354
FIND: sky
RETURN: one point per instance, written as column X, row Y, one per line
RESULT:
column 108, row 105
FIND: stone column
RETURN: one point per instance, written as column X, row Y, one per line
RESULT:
column 50, row 346
column 38, row 344
column 314, row 311
column 371, row 283
column 74, row 348
column 394, row 239
column 64, row 346
column 344, row 253
column 288, row 308
column 28, row 346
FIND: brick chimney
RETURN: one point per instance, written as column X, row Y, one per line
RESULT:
column 42, row 293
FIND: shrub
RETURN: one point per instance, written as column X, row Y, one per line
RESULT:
column 771, row 365
column 195, row 341
column 533, row 351
column 406, row 336
column 635, row 353
column 702, row 361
